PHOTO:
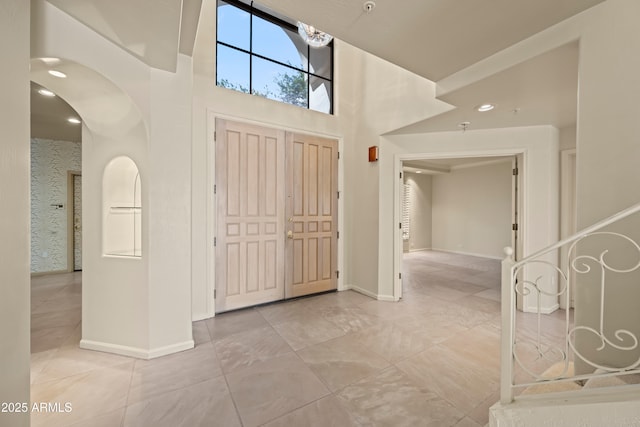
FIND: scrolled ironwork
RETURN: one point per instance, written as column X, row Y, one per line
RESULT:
column 622, row 340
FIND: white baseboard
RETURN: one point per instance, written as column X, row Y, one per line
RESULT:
column 196, row 317
column 543, row 310
column 420, row 249
column 136, row 352
column 170, row 349
column 468, row 253
column 370, row 294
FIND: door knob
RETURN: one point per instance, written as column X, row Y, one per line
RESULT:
column 289, row 234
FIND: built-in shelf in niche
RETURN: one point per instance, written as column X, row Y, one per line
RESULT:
column 122, row 208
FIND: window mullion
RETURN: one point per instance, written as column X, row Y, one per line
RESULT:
column 251, row 50
column 293, row 70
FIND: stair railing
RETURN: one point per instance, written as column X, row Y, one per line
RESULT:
column 560, row 355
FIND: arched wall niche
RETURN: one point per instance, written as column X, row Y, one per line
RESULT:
column 122, row 208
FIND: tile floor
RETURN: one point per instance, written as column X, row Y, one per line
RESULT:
column 339, row 359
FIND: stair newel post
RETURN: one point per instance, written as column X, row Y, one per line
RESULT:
column 508, row 327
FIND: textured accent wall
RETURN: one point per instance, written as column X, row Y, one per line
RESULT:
column 50, row 162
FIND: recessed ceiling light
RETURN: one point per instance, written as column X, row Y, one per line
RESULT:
column 418, row 171
column 46, row 92
column 59, row 74
column 74, row 120
column 485, row 107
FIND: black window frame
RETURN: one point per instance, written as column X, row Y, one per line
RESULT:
column 253, row 11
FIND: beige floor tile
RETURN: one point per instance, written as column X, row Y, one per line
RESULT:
column 468, row 422
column 207, row 403
column 392, row 399
column 284, row 311
column 225, row 324
column 271, row 388
column 392, row 342
column 244, row 349
column 388, row 310
column 110, row 419
column 326, row 412
column 475, row 302
column 480, row 414
column 39, row 361
column 492, row 294
column 59, row 301
column 343, row 299
column 51, row 338
column 431, row 327
column 157, row 376
column 347, row 339
column 201, row 332
column 461, row 381
column 90, row 394
column 72, row 360
column 309, row 331
column 481, row 344
column 342, row 361
column 350, row 319
column 442, row 291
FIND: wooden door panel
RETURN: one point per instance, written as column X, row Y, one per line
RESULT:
column 312, row 214
column 250, row 183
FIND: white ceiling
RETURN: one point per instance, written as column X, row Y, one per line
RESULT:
column 432, row 38
column 49, row 117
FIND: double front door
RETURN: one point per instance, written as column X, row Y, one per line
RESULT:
column 276, row 225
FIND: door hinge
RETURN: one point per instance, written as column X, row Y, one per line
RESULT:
column 215, row 293
column 338, row 194
column 400, row 175
column 215, row 188
column 337, row 234
column 215, row 241
column 400, row 225
column 514, row 227
column 338, row 154
column 515, row 171
column 400, row 276
column 337, row 274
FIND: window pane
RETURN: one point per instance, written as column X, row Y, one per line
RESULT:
column 232, row 69
column 321, row 94
column 320, row 61
column 278, row 82
column 233, row 25
column 277, row 43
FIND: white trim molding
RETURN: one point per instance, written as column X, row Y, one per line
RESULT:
column 136, row 352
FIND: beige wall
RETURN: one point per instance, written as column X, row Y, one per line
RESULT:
column 135, row 306
column 372, row 97
column 608, row 160
column 14, row 221
column 568, row 138
column 472, row 210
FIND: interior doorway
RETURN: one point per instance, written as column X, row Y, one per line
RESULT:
column 277, row 215
column 473, row 208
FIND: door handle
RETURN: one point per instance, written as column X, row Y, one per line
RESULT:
column 289, row 234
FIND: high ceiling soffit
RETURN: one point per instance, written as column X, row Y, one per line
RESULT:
column 540, row 91
column 432, row 38
column 154, row 31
